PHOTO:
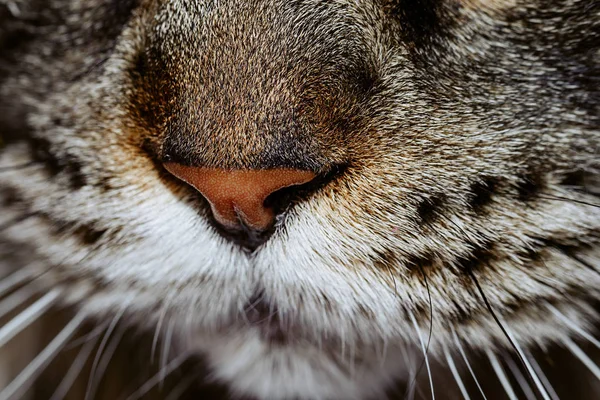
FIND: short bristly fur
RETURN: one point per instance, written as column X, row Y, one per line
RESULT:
column 458, row 140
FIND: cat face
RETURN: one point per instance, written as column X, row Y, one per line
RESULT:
column 445, row 150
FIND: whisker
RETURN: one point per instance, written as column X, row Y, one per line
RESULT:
column 381, row 349
column 352, row 354
column 414, row 321
column 584, row 262
column 430, row 306
column 16, row 299
column 106, row 357
column 574, row 326
column 529, row 368
column 410, row 390
column 13, row 9
column 580, row 260
column 245, row 309
column 343, row 345
column 16, row 167
column 23, row 381
column 565, row 199
column 523, row 384
column 430, row 327
column 28, row 316
column 15, row 279
column 164, row 356
column 580, row 354
column 75, row 369
column 88, row 336
column 464, row 357
column 510, row 338
column 543, row 378
column 159, row 325
column 501, row 375
column 455, row 374
column 100, row 350
column 156, row 379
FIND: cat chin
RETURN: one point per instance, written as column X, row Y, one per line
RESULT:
column 253, row 366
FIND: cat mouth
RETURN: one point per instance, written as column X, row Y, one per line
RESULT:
column 244, row 236
column 266, row 318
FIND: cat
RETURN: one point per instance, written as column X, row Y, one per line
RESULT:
column 346, row 199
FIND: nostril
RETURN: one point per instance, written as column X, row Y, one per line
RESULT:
column 237, row 197
column 282, row 199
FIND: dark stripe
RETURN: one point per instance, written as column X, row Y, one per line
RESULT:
column 88, row 233
column 587, row 182
column 43, row 152
column 529, row 187
column 481, row 256
column 420, row 21
column 10, row 196
column 481, row 193
column 420, row 264
column 384, row 260
column 430, row 208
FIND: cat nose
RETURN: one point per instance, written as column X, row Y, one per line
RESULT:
column 237, row 197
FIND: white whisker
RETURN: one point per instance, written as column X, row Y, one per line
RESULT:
column 244, row 309
column 414, row 321
column 88, row 336
column 75, row 369
column 24, row 380
column 13, row 8
column 574, row 326
column 542, row 376
column 100, row 350
column 154, row 380
column 411, row 373
column 188, row 328
column 535, row 377
column 576, row 350
column 464, row 357
column 15, row 279
column 17, row 298
column 27, row 316
column 165, row 350
column 455, row 373
column 159, row 325
column 343, row 345
column 352, row 361
column 523, row 384
column 106, row 357
column 501, row 375
column 384, row 351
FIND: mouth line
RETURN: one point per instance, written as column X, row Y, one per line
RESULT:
column 264, row 316
column 247, row 238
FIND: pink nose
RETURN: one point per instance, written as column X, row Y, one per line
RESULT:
column 239, row 195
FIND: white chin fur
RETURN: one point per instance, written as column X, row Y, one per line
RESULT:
column 251, row 366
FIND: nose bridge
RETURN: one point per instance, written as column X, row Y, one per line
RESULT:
column 252, row 84
column 241, row 102
column 236, row 126
column 237, row 197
